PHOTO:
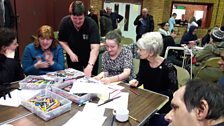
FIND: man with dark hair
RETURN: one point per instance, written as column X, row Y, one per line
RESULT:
column 144, row 23
column 79, row 37
column 198, row 103
column 172, row 21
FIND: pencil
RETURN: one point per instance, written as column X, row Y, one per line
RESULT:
column 135, row 92
column 134, row 119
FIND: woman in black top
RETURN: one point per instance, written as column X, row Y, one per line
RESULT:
column 154, row 71
column 10, row 68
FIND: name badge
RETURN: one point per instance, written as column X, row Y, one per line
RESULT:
column 85, row 36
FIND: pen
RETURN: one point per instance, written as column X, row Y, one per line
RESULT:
column 134, row 119
column 109, row 100
column 135, row 92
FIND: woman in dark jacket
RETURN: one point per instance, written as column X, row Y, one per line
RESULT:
column 190, row 38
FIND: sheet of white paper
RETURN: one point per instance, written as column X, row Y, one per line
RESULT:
column 113, row 88
column 80, row 87
column 17, row 96
column 121, row 102
column 93, row 109
column 85, row 119
column 14, row 101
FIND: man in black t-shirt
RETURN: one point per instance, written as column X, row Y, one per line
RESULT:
column 79, row 37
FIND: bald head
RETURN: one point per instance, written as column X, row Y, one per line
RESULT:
column 144, row 12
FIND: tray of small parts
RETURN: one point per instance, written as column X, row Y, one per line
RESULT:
column 47, row 105
column 65, row 77
column 35, row 82
column 78, row 98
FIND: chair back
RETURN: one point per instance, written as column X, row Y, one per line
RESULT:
column 126, row 41
column 182, row 75
column 136, row 63
column 212, row 62
column 210, row 70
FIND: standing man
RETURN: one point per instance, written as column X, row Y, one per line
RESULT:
column 115, row 17
column 79, row 37
column 172, row 21
column 144, row 23
column 93, row 15
column 198, row 103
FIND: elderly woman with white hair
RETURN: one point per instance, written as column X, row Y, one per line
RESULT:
column 155, row 73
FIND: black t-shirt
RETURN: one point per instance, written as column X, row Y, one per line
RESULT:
column 79, row 41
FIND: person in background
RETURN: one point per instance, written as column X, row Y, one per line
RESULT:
column 206, row 39
column 144, row 23
column 213, row 49
column 164, row 29
column 93, row 15
column 115, row 17
column 172, row 21
column 183, row 21
column 79, row 37
column 44, row 54
column 169, row 41
column 116, row 61
column 105, row 23
column 192, row 22
column 190, row 38
column 10, row 68
column 198, row 103
column 199, row 22
column 154, row 71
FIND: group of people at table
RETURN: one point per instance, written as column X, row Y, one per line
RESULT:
column 79, row 37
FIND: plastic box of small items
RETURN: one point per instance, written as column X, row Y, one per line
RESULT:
column 35, row 82
column 78, row 98
column 64, row 77
column 47, row 105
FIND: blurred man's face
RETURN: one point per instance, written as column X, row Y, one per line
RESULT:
column 144, row 13
column 109, row 10
column 78, row 20
column 179, row 115
column 175, row 16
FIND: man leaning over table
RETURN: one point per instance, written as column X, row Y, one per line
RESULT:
column 79, row 37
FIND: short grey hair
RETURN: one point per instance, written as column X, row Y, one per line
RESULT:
column 151, row 41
